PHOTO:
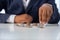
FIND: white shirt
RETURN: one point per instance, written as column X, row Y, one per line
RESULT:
column 11, row 18
column 25, row 3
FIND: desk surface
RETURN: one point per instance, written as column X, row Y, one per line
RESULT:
column 13, row 32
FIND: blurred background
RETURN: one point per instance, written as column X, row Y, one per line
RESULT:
column 58, row 4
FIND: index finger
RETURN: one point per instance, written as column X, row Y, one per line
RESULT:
column 40, row 14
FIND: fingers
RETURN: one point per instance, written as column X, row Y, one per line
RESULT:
column 28, row 21
column 45, row 14
column 40, row 14
column 49, row 14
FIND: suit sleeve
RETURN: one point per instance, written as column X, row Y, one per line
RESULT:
column 55, row 16
column 3, row 17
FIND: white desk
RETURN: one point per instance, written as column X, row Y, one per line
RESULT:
column 13, row 32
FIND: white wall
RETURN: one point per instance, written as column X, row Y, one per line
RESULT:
column 58, row 4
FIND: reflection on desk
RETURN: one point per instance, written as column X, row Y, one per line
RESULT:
column 13, row 32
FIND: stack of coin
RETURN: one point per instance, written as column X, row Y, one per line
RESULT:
column 41, row 25
column 36, row 25
column 20, row 25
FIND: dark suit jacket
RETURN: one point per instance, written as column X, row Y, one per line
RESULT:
column 15, row 7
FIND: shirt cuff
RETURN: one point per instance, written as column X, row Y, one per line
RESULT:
column 11, row 19
column 47, row 4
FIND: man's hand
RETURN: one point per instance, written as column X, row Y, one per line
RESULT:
column 24, row 18
column 45, row 13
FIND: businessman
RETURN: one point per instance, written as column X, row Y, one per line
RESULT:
column 29, row 11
